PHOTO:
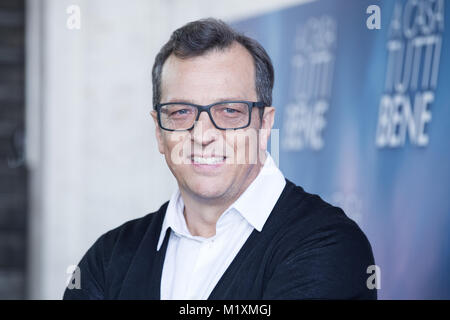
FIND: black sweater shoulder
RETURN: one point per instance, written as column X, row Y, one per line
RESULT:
column 104, row 266
column 318, row 252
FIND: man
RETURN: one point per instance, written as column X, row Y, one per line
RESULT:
column 235, row 228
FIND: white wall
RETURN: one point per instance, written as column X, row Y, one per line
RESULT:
column 90, row 139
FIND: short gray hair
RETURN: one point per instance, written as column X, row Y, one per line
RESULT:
column 199, row 37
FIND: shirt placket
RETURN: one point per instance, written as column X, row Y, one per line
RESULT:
column 205, row 255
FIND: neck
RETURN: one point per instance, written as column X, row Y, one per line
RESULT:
column 202, row 214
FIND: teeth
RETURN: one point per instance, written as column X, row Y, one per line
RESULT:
column 212, row 160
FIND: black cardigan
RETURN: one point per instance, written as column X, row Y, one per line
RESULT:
column 308, row 249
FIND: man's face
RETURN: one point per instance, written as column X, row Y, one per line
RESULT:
column 214, row 77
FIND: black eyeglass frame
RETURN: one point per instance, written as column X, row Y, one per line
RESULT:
column 207, row 109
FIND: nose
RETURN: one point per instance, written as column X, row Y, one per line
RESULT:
column 204, row 131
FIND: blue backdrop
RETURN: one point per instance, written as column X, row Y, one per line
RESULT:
column 364, row 118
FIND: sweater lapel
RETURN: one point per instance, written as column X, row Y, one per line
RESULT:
column 143, row 279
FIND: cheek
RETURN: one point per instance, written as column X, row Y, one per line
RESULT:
column 242, row 147
column 176, row 148
column 160, row 140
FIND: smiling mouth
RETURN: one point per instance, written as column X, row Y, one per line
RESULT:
column 207, row 160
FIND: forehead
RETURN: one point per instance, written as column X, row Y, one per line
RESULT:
column 209, row 77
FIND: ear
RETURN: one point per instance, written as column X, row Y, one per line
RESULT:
column 158, row 132
column 267, row 124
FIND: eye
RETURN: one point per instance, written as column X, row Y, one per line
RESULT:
column 182, row 111
column 230, row 110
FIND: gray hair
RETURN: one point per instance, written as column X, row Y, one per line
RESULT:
column 199, row 37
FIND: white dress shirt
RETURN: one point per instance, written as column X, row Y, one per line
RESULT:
column 193, row 264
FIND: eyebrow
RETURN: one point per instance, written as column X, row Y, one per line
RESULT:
column 217, row 100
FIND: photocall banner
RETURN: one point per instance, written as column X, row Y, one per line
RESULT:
column 362, row 98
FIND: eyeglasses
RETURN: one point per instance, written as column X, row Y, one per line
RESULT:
column 181, row 116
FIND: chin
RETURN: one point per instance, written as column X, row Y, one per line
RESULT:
column 207, row 187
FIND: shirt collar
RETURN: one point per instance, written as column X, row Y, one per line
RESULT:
column 255, row 204
column 257, row 201
column 172, row 216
